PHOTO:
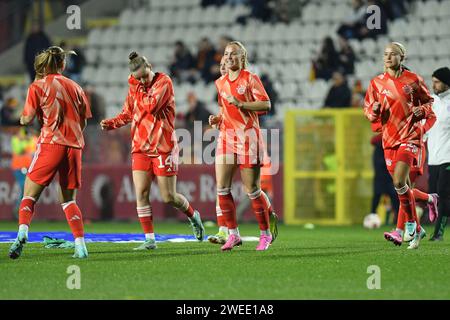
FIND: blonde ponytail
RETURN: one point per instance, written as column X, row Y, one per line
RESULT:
column 50, row 61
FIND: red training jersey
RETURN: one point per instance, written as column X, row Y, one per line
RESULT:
column 151, row 111
column 61, row 107
column 246, row 87
column 239, row 129
column 397, row 96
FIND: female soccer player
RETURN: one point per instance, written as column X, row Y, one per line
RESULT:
column 419, row 196
column 266, row 185
column 150, row 107
column 241, row 97
column 62, row 109
column 400, row 99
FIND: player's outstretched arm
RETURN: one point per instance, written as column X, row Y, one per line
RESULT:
column 124, row 117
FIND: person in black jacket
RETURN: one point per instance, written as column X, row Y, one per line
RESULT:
column 36, row 42
column 339, row 95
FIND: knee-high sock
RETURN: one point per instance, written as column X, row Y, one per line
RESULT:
column 419, row 195
column 145, row 218
column 74, row 218
column 228, row 207
column 261, row 209
column 221, row 222
column 26, row 210
column 407, row 204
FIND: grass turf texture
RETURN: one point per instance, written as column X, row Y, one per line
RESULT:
column 324, row 263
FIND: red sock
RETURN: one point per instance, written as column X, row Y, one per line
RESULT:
column 74, row 218
column 145, row 218
column 26, row 210
column 420, row 196
column 401, row 219
column 408, row 204
column 267, row 200
column 226, row 204
column 260, row 208
column 221, row 222
column 189, row 211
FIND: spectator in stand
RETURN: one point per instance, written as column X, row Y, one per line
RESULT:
column 346, row 57
column 273, row 95
column 339, row 95
column 223, row 41
column 8, row 113
column 260, row 10
column 350, row 27
column 358, row 94
column 286, row 10
column 36, row 42
column 182, row 67
column 205, row 61
column 327, row 61
column 236, row 2
column 98, row 105
column 196, row 112
column 206, row 3
column 395, row 8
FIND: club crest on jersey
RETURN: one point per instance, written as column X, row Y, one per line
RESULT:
column 407, row 89
column 388, row 162
column 241, row 89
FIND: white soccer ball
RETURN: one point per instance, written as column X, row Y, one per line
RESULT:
column 372, row 221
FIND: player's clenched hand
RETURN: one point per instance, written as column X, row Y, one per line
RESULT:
column 418, row 111
column 104, row 124
column 234, row 101
column 214, row 121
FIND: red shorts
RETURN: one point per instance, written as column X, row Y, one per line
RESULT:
column 408, row 153
column 248, row 152
column 164, row 165
column 51, row 158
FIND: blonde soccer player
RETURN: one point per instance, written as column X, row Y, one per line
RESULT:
column 62, row 109
column 241, row 97
column 400, row 100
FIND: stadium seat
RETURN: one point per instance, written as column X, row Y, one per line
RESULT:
column 94, row 37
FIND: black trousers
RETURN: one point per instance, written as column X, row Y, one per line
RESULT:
column 439, row 182
column 382, row 182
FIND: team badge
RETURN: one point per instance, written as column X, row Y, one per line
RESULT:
column 241, row 89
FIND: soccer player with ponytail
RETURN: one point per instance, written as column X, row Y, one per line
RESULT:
column 241, row 98
column 150, row 108
column 62, row 108
column 400, row 99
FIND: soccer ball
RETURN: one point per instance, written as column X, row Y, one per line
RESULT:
column 372, row 221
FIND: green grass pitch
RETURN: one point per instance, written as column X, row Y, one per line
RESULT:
column 323, row 263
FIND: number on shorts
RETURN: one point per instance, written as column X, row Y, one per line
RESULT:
column 168, row 162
